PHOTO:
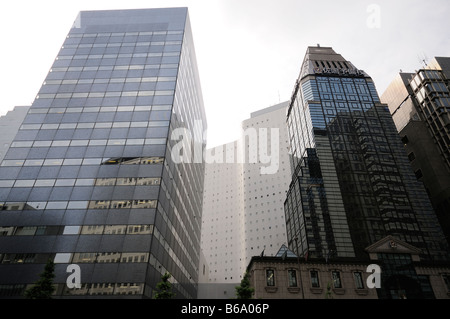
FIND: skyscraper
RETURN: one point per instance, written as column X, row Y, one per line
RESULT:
column 243, row 212
column 352, row 184
column 420, row 106
column 90, row 180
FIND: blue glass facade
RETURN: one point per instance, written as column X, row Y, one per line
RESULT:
column 89, row 178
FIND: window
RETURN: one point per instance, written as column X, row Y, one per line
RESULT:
column 336, row 276
column 359, row 283
column 405, row 140
column 418, row 173
column 314, row 278
column 270, row 277
column 292, row 278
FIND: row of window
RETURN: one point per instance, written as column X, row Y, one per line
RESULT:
column 76, row 230
column 69, row 182
column 88, row 125
column 78, row 258
column 121, row 34
column 115, row 67
column 89, row 161
column 104, row 94
column 121, row 80
column 93, row 289
column 121, row 55
column 98, row 109
column 125, row 45
column 94, row 204
column 104, row 289
column 90, row 142
column 314, row 279
column 116, row 49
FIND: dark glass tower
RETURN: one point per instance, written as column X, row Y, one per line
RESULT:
column 420, row 106
column 89, row 178
column 353, row 184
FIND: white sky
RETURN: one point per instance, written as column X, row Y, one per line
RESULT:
column 249, row 52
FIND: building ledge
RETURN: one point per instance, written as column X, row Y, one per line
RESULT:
column 316, row 290
column 362, row 292
column 339, row 291
column 293, row 290
column 271, row 289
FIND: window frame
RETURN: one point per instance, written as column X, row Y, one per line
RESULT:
column 337, row 280
column 292, row 278
column 270, row 277
column 358, row 285
column 315, row 281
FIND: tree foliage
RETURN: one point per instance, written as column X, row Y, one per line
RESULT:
column 328, row 293
column 43, row 288
column 244, row 291
column 164, row 288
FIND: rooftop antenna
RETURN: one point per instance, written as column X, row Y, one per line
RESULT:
column 423, row 59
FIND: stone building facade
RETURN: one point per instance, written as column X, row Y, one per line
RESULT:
column 401, row 275
column 273, row 278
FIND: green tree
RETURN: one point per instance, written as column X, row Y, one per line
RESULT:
column 329, row 294
column 164, row 288
column 43, row 288
column 244, row 291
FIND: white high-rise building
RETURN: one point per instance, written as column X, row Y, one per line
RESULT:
column 245, row 188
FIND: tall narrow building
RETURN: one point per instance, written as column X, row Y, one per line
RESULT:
column 352, row 184
column 245, row 188
column 420, row 106
column 90, row 178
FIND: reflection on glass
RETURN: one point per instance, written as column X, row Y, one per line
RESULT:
column 109, row 257
column 99, row 204
column 76, row 229
column 147, row 181
column 22, row 205
column 144, row 203
column 92, row 230
column 6, row 231
column 84, row 257
column 17, row 258
column 113, row 257
column 62, row 258
column 140, row 229
column 115, row 229
column 25, row 231
column 128, row 181
column 119, row 204
column 123, row 204
column 134, row 257
column 71, row 230
column 105, row 181
column 106, row 289
column 133, row 160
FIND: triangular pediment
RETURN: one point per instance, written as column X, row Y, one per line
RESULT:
column 393, row 245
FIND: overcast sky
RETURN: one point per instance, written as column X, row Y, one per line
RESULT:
column 249, row 52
